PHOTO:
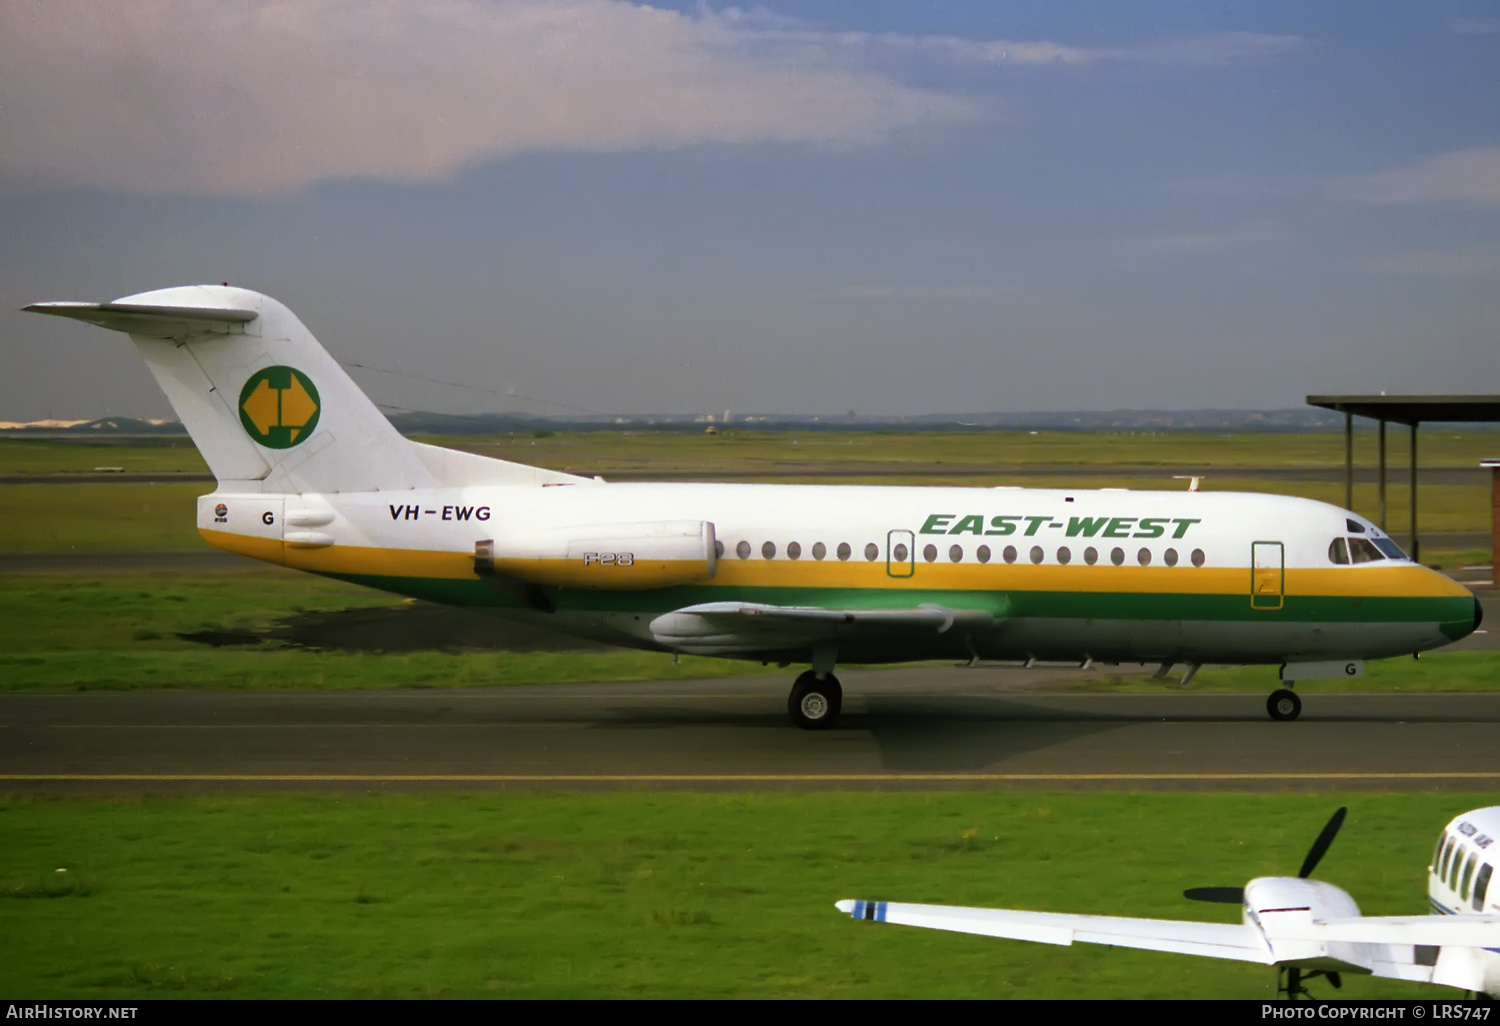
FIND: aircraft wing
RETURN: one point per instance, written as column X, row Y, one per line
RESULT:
column 1215, row 940
column 730, row 626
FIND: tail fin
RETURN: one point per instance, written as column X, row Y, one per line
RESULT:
column 267, row 406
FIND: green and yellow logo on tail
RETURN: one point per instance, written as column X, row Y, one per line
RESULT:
column 279, row 407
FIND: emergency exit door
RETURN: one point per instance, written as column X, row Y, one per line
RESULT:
column 900, row 553
column 1267, row 575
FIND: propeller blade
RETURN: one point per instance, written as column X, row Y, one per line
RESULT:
column 1217, row 895
column 1320, row 846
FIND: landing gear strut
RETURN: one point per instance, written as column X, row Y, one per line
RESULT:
column 815, row 704
column 1284, row 705
column 1290, row 980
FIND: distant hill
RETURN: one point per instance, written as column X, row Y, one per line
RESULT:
column 1308, row 419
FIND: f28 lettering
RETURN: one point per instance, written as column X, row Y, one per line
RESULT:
column 459, row 513
column 1072, row 527
column 609, row 559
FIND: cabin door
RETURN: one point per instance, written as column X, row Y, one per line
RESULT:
column 1267, row 575
column 900, row 553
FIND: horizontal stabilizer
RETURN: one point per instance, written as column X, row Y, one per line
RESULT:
column 150, row 321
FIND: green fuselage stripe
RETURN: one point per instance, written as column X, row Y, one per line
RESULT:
column 1070, row 605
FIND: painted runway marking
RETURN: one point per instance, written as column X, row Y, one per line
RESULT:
column 724, row 778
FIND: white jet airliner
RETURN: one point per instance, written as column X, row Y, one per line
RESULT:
column 311, row 475
column 1305, row 928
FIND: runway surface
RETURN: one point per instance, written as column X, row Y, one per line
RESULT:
column 913, row 728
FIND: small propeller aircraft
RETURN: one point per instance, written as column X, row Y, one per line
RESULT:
column 1304, row 927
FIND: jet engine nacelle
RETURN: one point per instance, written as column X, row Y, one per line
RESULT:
column 616, row 557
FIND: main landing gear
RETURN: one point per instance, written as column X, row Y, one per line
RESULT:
column 1284, row 704
column 815, row 704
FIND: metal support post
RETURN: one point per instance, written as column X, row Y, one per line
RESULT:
column 1416, row 552
column 1382, row 476
column 1348, row 461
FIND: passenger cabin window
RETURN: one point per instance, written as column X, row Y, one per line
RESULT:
column 1362, row 550
column 793, row 550
column 1482, row 886
column 819, row 550
column 844, row 551
column 1338, row 552
column 982, row 553
column 1198, row 557
column 872, row 551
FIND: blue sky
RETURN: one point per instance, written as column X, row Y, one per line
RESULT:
column 891, row 208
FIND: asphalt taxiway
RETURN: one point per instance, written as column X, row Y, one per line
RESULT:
column 910, row 728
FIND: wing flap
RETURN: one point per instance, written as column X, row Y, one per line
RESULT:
column 1216, row 940
column 735, row 624
column 1470, row 931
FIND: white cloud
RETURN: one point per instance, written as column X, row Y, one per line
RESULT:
column 1206, row 50
column 1470, row 177
column 1218, row 240
column 261, row 97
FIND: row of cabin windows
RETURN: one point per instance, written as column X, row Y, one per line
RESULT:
column 956, row 553
column 1458, row 872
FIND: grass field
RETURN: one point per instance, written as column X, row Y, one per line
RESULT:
column 102, row 517
column 276, row 629
column 123, row 632
column 729, row 450
column 655, row 895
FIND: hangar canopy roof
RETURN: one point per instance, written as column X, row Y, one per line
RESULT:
column 1414, row 409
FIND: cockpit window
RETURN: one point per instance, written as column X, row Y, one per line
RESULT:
column 1362, row 550
column 1482, row 885
column 1467, row 877
column 1442, row 866
column 1453, row 867
column 1338, row 552
column 1390, row 548
column 1355, row 527
column 1437, row 855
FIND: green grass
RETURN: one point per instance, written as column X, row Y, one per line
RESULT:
column 161, row 517
column 600, row 451
column 61, row 632
column 654, row 895
column 57, row 456
column 120, row 632
column 1435, row 671
column 100, row 518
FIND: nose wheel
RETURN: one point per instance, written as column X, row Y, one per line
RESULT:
column 1284, row 705
column 815, row 704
